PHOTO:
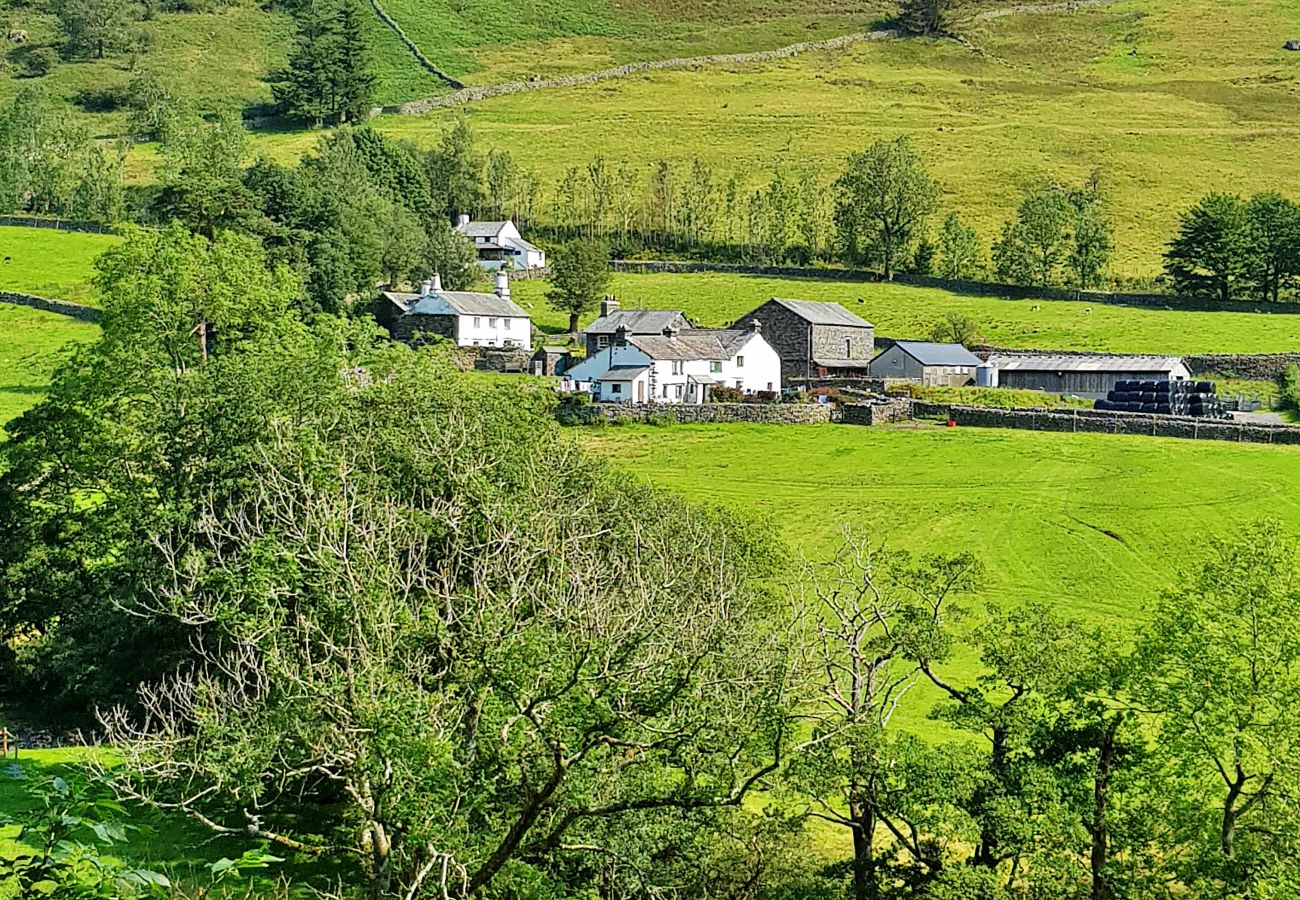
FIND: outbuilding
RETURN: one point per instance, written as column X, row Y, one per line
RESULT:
column 1090, row 376
column 947, row 365
column 815, row 340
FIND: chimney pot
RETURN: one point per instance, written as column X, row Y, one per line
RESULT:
column 608, row 305
column 620, row 336
column 502, row 285
column 429, row 286
column 755, row 326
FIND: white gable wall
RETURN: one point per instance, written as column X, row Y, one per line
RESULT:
column 493, row 331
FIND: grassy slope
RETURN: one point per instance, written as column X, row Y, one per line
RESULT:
column 1094, row 525
column 1169, row 98
column 903, row 312
column 31, row 345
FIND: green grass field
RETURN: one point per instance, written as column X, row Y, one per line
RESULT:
column 49, row 263
column 32, row 343
column 898, row 311
column 1094, row 525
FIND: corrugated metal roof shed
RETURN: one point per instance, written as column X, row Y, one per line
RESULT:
column 1047, row 363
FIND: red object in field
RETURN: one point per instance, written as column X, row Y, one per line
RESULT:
column 952, row 423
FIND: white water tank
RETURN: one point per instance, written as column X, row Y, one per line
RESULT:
column 986, row 375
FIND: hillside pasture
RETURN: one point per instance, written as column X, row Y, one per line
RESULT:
column 899, row 311
column 50, row 263
column 32, row 343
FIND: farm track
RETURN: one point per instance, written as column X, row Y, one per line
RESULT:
column 462, row 95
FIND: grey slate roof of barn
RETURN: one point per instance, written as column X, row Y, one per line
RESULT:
column 931, row 354
column 636, row 321
column 1048, row 363
column 623, row 373
column 467, row 303
column 823, row 313
column 691, row 344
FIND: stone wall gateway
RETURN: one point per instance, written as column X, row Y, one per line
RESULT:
column 707, row 413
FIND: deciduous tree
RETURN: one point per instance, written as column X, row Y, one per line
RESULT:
column 883, row 198
column 579, row 278
column 1210, row 256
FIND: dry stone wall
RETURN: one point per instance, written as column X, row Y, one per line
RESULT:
column 1103, row 422
column 62, row 307
column 707, row 413
column 880, row 413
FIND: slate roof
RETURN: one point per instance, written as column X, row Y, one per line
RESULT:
column 637, row 321
column 481, row 229
column 692, row 344
column 823, row 313
column 1120, row 364
column 931, row 354
column 465, row 303
column 623, row 373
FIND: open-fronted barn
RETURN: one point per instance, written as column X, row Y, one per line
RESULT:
column 1092, row 377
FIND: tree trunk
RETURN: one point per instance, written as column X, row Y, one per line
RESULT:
column 573, row 323
column 864, row 863
column 1100, row 807
column 1228, row 827
column 986, row 853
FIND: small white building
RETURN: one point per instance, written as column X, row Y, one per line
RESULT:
column 469, row 319
column 499, row 243
column 680, row 366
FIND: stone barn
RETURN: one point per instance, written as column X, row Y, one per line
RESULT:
column 1091, row 377
column 945, row 365
column 815, row 340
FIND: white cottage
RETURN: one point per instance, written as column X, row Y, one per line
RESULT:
column 680, row 366
column 499, row 243
column 469, row 319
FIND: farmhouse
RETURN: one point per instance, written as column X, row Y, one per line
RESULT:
column 468, row 319
column 500, row 245
column 947, row 365
column 1092, row 377
column 600, row 333
column 680, row 366
column 815, row 339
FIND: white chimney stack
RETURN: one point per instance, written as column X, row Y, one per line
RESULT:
column 462, row 220
column 503, row 285
column 431, row 285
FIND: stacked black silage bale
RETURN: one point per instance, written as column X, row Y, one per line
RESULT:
column 1165, row 398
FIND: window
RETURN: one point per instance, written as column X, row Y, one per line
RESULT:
column 602, row 341
column 678, row 366
column 505, row 323
column 665, row 392
column 715, row 367
column 492, row 323
column 616, row 389
column 769, row 386
column 678, row 391
column 740, row 362
column 476, row 322
column 848, row 348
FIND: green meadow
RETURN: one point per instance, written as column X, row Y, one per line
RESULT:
column 49, row 263
column 898, row 311
column 32, row 343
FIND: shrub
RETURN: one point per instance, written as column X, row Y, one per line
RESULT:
column 1289, row 397
column 720, row 393
column 40, row 62
column 105, row 99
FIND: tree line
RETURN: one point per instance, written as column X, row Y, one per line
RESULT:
column 335, row 599
column 1228, row 248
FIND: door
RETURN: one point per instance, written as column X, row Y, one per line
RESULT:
column 640, row 392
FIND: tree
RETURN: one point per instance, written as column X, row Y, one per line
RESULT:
column 202, row 175
column 1210, row 256
column 404, row 242
column 305, row 89
column 1044, row 230
column 456, row 171
column 579, row 278
column 354, row 79
column 452, row 256
column 131, row 421
column 959, row 249
column 876, row 613
column 95, row 25
column 101, row 195
column 883, row 198
column 1274, row 224
column 399, row 632
column 924, row 17
column 1090, row 234
column 956, row 328
column 1220, row 668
